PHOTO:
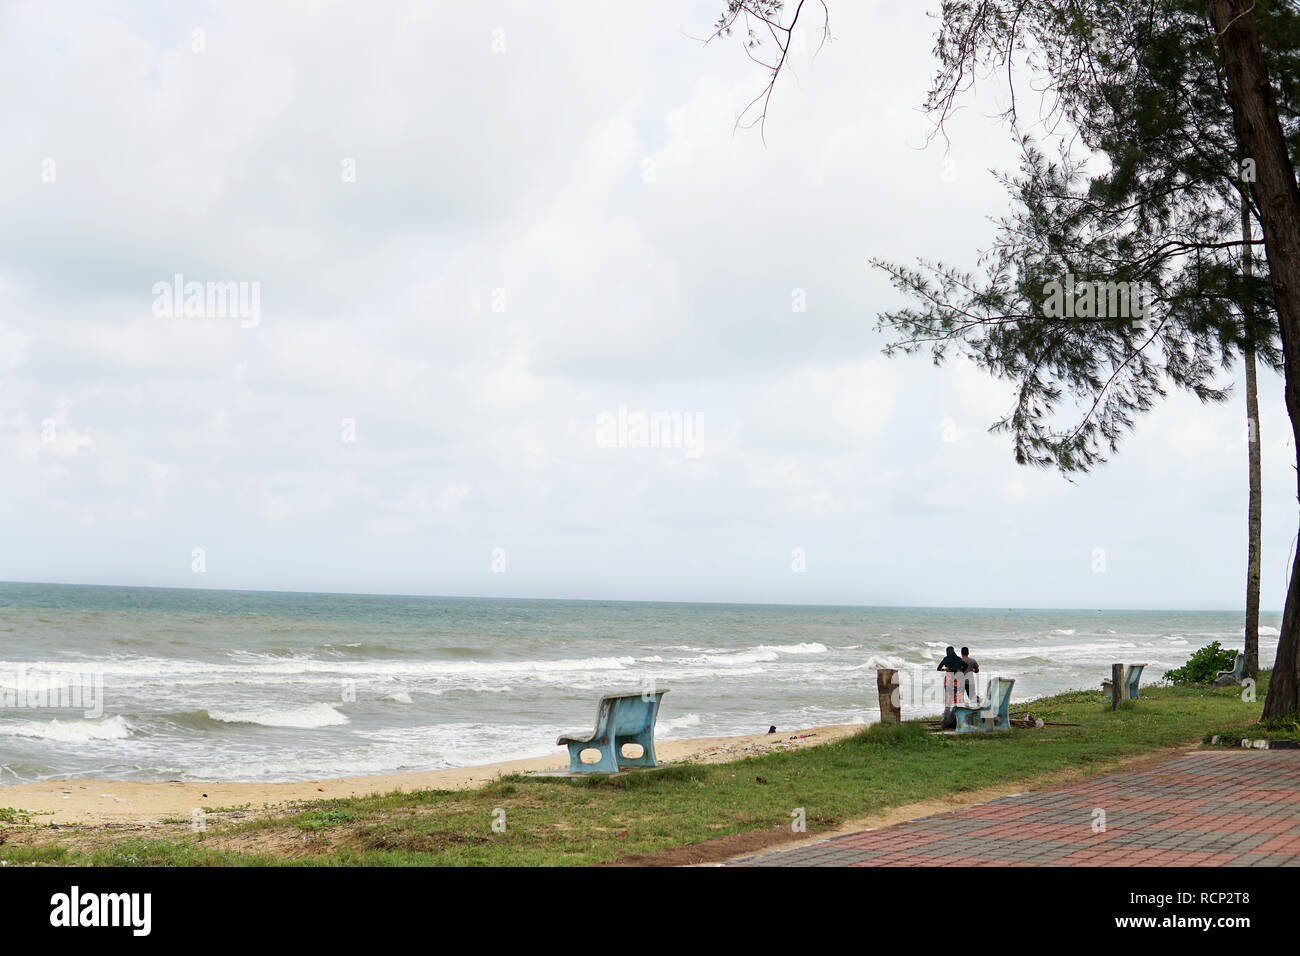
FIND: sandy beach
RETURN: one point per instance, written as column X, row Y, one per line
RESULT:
column 89, row 801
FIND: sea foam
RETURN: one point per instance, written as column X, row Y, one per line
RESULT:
column 304, row 718
column 70, row 731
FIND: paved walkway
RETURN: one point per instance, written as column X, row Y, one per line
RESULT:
column 1206, row 808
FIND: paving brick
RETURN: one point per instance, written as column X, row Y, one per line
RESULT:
column 1210, row 808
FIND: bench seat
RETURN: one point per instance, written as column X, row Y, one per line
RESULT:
column 620, row 719
column 1238, row 669
column 993, row 715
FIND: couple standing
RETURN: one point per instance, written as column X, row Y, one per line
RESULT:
column 966, row 666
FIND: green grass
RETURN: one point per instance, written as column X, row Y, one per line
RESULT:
column 325, row 818
column 601, row 818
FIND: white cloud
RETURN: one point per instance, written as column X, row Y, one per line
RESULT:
column 532, row 237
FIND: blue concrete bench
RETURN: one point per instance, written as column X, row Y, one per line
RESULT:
column 1238, row 669
column 993, row 715
column 1132, row 674
column 620, row 719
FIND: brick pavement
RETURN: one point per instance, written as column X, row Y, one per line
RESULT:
column 1205, row 808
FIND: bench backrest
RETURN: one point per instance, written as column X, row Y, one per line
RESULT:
column 1239, row 666
column 630, row 713
column 1133, row 675
column 999, row 697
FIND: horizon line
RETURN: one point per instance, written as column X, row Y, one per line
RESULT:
column 488, row 597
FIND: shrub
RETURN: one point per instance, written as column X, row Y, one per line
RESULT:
column 1288, row 723
column 1203, row 665
column 1286, row 727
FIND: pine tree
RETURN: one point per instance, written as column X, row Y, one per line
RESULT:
column 1192, row 105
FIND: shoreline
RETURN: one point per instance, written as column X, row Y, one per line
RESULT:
column 95, row 801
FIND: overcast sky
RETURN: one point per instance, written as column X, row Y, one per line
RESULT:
column 477, row 230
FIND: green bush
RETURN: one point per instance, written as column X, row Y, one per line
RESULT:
column 1204, row 665
column 1288, row 723
column 1286, row 727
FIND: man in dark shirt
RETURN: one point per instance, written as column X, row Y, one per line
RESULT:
column 972, row 668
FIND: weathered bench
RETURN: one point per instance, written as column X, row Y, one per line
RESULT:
column 1132, row 674
column 620, row 719
column 1238, row 669
column 993, row 715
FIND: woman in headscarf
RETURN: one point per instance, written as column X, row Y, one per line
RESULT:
column 951, row 662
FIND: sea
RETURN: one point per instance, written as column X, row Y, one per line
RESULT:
column 185, row 684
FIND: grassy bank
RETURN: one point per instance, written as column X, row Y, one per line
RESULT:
column 601, row 819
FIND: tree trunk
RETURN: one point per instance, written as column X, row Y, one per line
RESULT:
column 1277, row 197
column 887, row 692
column 1251, row 645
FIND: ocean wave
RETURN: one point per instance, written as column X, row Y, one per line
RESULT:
column 255, row 663
column 687, row 672
column 357, row 650
column 414, row 748
column 468, row 689
column 1082, row 651
column 250, row 667
column 886, row 661
column 677, row 723
column 762, row 654
column 302, row 718
column 70, row 731
column 753, row 656
column 1063, row 631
